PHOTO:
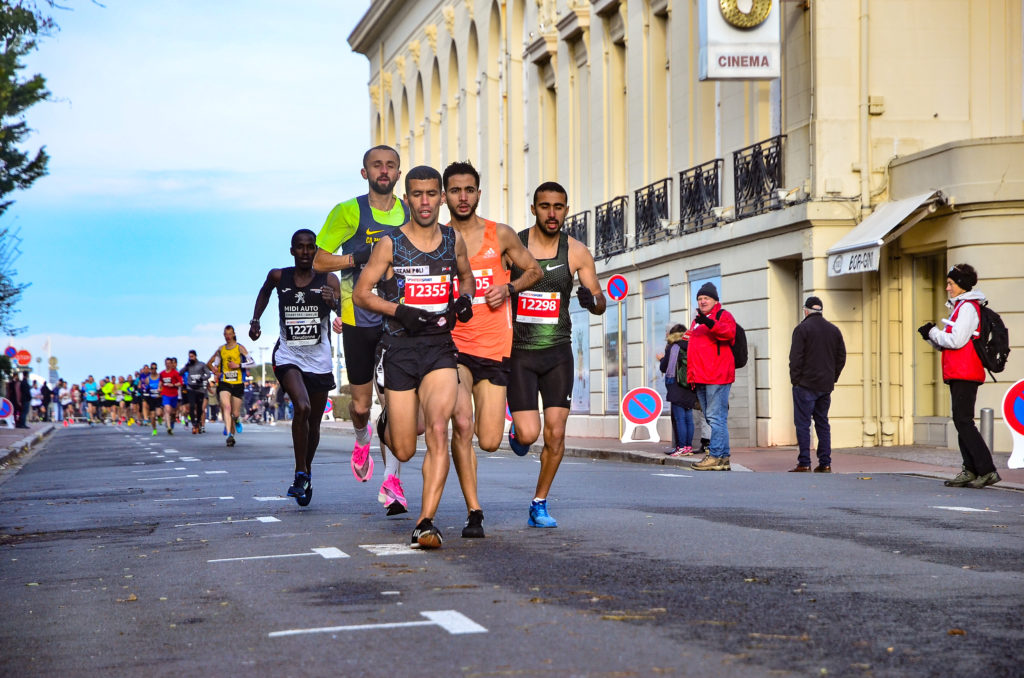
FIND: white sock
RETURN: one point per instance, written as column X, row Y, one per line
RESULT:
column 362, row 435
column 539, row 499
column 391, row 465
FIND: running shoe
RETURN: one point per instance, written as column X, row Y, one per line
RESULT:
column 225, row 429
column 474, row 528
column 238, row 425
column 539, row 516
column 154, row 430
column 301, row 487
column 517, row 447
column 230, row 442
column 362, row 462
column 392, row 496
column 170, row 431
column 426, row 536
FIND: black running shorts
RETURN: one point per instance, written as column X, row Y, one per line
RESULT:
column 408, row 359
column 315, row 383
column 154, row 402
column 547, row 371
column 494, row 371
column 236, row 390
column 360, row 346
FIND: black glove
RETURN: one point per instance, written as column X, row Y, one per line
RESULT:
column 705, row 320
column 586, row 297
column 361, row 255
column 414, row 319
column 925, row 329
column 463, row 308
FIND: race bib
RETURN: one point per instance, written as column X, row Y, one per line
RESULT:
column 302, row 331
column 484, row 279
column 231, row 375
column 538, row 308
column 168, row 382
column 427, row 292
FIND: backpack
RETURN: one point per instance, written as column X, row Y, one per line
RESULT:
column 993, row 341
column 681, row 367
column 739, row 346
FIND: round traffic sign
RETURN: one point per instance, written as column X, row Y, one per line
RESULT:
column 508, row 413
column 10, row 351
column 23, row 357
column 328, row 406
column 6, row 409
column 1013, row 407
column 642, row 405
column 618, row 288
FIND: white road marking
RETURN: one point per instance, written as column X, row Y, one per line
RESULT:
column 391, row 593
column 188, row 459
column 170, row 451
column 257, row 519
column 330, row 553
column 193, row 499
column 161, row 470
column 965, row 509
column 451, row 621
column 213, row 473
column 190, row 475
column 388, row 549
column 271, row 498
column 671, row 475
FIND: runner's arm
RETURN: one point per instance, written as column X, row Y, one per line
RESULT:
column 247, row 359
column 331, row 294
column 325, row 262
column 262, row 299
column 514, row 252
column 581, row 261
column 341, row 224
column 376, row 268
column 467, row 285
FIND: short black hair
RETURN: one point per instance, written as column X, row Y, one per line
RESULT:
column 459, row 167
column 381, row 147
column 422, row 173
column 550, row 186
column 303, row 231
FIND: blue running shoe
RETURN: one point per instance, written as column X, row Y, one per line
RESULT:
column 539, row 516
column 301, row 487
column 238, row 425
column 516, row 446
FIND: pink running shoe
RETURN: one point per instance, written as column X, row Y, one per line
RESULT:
column 393, row 496
column 362, row 462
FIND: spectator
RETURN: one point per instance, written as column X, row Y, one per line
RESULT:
column 963, row 372
column 25, row 400
column 817, row 355
column 679, row 394
column 46, row 397
column 710, row 368
column 37, row 401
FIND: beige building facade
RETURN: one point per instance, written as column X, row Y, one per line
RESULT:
column 891, row 147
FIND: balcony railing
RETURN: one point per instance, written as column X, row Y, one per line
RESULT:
column 700, row 191
column 651, row 206
column 610, row 227
column 577, row 225
column 757, row 170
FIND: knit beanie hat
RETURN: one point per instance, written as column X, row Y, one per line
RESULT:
column 708, row 290
column 964, row 276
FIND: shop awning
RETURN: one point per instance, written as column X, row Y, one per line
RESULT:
column 859, row 250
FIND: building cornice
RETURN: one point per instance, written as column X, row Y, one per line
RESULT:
column 575, row 22
column 365, row 34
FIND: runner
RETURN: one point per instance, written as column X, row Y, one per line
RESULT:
column 109, row 391
column 418, row 356
column 195, row 375
column 302, row 355
column 91, row 390
column 485, row 342
column 541, row 346
column 227, row 364
column 355, row 226
column 170, row 381
column 154, row 402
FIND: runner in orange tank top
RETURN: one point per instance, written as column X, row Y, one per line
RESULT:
column 485, row 342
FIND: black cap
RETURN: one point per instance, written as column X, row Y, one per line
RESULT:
column 708, row 290
column 813, row 304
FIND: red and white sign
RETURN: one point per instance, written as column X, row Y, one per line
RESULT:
column 538, row 308
column 23, row 357
column 618, row 287
column 641, row 408
column 428, row 292
column 1013, row 417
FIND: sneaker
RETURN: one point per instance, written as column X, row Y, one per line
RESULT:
column 230, row 442
column 710, row 463
column 362, row 462
column 300, row 486
column 225, row 429
column 238, row 425
column 154, row 430
column 982, row 481
column 195, row 430
column 517, row 447
column 202, row 429
column 539, row 516
column 392, row 496
column 474, row 528
column 170, row 431
column 961, row 479
column 686, row 451
column 426, row 536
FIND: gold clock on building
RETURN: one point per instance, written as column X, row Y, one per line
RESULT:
column 734, row 16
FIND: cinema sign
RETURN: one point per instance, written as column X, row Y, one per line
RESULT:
column 739, row 39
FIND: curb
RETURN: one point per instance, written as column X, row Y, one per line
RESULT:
column 19, row 448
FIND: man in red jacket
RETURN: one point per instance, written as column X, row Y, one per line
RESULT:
column 711, row 369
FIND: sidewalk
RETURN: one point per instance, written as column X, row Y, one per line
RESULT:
column 932, row 462
column 16, row 441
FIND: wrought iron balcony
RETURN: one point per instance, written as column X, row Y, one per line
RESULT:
column 651, row 206
column 610, row 227
column 577, row 225
column 757, row 170
column 700, row 191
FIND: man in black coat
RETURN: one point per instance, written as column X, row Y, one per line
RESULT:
column 816, row 359
column 25, row 399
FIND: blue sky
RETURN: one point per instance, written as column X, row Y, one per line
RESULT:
column 188, row 139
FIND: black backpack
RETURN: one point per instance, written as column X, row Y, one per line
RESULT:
column 993, row 340
column 681, row 366
column 739, row 346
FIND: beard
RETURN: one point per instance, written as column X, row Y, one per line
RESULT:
column 383, row 189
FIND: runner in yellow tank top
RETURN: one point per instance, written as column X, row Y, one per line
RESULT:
column 484, row 343
column 227, row 363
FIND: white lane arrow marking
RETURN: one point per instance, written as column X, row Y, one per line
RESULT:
column 389, row 549
column 330, row 553
column 965, row 509
column 671, row 475
column 163, row 469
column 190, row 475
column 213, row 473
column 193, row 499
column 451, row 621
column 271, row 498
column 257, row 519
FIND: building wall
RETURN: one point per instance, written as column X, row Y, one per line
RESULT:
column 603, row 96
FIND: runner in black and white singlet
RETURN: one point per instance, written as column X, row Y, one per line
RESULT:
column 302, row 354
column 418, row 263
column 541, row 342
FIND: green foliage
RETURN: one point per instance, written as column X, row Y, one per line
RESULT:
column 10, row 291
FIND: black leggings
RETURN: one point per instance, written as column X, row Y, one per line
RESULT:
column 976, row 455
column 196, row 403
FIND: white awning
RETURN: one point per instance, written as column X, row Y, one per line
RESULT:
column 859, row 250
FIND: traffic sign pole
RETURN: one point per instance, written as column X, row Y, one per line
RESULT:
column 617, row 289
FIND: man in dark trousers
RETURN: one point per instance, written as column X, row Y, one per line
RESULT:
column 24, row 400
column 816, row 359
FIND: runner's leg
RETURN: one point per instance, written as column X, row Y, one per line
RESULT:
column 554, row 448
column 224, row 397
column 462, row 438
column 438, row 390
column 295, row 387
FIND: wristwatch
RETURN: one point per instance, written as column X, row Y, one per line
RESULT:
column 511, row 289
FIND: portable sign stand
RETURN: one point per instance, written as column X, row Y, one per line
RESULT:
column 1013, row 416
column 641, row 408
column 7, row 412
column 618, row 288
column 328, row 411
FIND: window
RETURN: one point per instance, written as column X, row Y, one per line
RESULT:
column 656, row 325
column 580, row 356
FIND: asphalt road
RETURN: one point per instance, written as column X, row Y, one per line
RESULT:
column 128, row 555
